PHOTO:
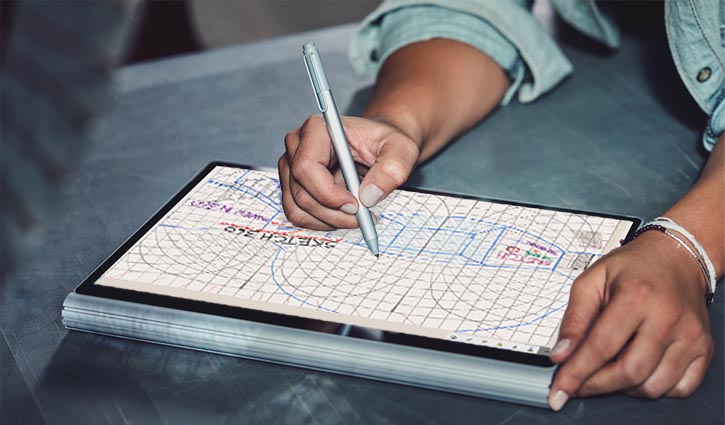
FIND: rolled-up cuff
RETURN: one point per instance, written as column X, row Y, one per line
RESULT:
column 716, row 124
column 406, row 26
column 504, row 30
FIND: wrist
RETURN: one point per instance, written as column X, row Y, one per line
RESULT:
column 402, row 120
column 707, row 232
column 687, row 242
column 680, row 263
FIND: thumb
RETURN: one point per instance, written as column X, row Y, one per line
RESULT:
column 585, row 301
column 396, row 160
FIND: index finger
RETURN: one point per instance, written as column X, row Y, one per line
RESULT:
column 585, row 302
column 608, row 335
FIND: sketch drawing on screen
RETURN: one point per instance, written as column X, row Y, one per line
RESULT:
column 454, row 268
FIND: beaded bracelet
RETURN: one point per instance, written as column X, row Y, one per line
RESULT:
column 665, row 225
column 712, row 276
column 703, row 268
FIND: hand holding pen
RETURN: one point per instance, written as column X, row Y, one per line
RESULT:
column 314, row 193
column 326, row 104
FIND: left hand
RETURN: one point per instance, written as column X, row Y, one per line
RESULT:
column 636, row 322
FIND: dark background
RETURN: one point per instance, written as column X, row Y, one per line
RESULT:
column 172, row 116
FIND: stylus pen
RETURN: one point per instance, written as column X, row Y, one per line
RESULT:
column 327, row 106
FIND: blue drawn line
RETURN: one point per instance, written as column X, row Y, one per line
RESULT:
column 403, row 226
column 257, row 194
column 411, row 223
column 174, row 226
column 271, row 219
column 274, row 279
column 241, row 176
column 558, row 260
column 465, row 247
column 490, row 248
column 585, row 253
column 563, row 274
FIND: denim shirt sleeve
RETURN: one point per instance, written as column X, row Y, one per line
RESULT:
column 697, row 43
column 505, row 30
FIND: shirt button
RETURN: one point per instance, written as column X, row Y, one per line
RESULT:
column 704, row 74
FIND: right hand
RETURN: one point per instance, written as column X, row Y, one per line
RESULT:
column 313, row 190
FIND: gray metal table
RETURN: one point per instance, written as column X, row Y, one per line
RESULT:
column 614, row 138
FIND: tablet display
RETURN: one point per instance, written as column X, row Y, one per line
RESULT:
column 455, row 273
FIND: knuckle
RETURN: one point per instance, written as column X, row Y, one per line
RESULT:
column 325, row 199
column 696, row 331
column 290, row 140
column 396, row 171
column 640, row 291
column 577, row 289
column 295, row 216
column 573, row 323
column 652, row 390
column 705, row 347
column 310, row 122
column 411, row 148
column 634, row 372
column 573, row 381
column 672, row 311
column 599, row 348
column 304, row 198
column 588, row 389
column 577, row 285
column 581, row 287
column 299, row 169
column 306, row 124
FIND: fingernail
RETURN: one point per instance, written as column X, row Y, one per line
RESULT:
column 370, row 195
column 558, row 400
column 349, row 209
column 560, row 347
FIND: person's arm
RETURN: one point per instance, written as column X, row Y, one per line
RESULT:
column 637, row 319
column 426, row 94
column 436, row 90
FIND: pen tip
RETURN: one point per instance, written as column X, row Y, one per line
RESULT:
column 377, row 255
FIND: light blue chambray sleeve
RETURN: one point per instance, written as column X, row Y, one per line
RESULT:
column 505, row 30
column 716, row 124
column 697, row 43
column 408, row 25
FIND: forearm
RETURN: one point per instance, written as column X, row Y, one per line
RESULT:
column 436, row 89
column 702, row 210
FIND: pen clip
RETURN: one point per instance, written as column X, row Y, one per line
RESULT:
column 314, row 73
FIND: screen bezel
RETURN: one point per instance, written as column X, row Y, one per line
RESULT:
column 89, row 288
